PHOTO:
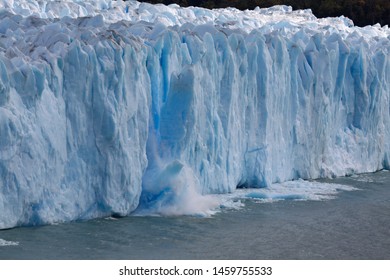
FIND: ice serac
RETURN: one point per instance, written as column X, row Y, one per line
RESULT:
column 114, row 106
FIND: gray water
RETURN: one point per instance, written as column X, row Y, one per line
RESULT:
column 354, row 225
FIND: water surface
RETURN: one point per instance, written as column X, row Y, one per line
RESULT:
column 353, row 225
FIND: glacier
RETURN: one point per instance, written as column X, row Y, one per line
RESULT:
column 110, row 107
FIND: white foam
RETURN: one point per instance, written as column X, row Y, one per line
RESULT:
column 8, row 243
column 368, row 177
column 209, row 205
column 298, row 190
column 362, row 178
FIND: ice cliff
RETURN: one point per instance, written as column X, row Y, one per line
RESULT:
column 106, row 106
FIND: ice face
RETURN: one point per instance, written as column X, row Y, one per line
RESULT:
column 110, row 106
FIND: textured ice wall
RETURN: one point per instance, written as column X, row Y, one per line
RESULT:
column 73, row 121
column 99, row 115
column 262, row 108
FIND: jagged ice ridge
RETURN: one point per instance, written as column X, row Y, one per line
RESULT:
column 108, row 106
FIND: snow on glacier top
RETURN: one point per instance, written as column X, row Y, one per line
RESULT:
column 281, row 18
column 32, row 27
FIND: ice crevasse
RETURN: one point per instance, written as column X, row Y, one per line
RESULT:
column 109, row 106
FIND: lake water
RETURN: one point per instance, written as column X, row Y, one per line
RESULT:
column 353, row 225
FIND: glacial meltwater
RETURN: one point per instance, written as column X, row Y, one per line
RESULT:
column 352, row 224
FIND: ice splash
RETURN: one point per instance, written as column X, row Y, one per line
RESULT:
column 8, row 243
column 176, row 200
column 172, row 189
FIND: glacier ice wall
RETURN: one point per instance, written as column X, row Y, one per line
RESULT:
column 112, row 106
column 73, row 122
